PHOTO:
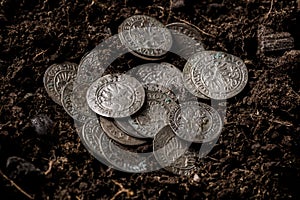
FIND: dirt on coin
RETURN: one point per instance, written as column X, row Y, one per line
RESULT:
column 257, row 155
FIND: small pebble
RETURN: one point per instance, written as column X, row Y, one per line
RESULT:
column 196, row 178
column 42, row 124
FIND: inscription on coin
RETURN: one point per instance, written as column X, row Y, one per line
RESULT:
column 195, row 122
column 74, row 102
column 56, row 77
column 116, row 95
column 145, row 36
column 215, row 74
column 172, row 153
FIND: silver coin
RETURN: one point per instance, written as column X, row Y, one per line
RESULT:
column 73, row 99
column 118, row 135
column 186, row 39
column 163, row 74
column 56, row 77
column 145, row 36
column 215, row 74
column 195, row 122
column 154, row 114
column 90, row 136
column 173, row 154
column 126, row 160
column 116, row 95
column 93, row 65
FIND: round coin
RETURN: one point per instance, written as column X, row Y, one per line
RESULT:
column 145, row 36
column 215, row 74
column 186, row 39
column 173, row 153
column 154, row 114
column 56, row 77
column 116, row 95
column 74, row 102
column 118, row 135
column 195, row 122
column 126, row 160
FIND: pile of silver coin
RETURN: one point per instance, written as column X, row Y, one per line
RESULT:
column 153, row 104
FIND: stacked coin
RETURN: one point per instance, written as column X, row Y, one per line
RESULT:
column 153, row 104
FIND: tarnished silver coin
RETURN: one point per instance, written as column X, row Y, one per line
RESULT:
column 195, row 122
column 186, row 39
column 56, row 77
column 93, row 65
column 145, row 36
column 163, row 74
column 126, row 160
column 154, row 114
column 116, row 95
column 215, row 74
column 90, row 136
column 73, row 100
column 118, row 135
column 173, row 153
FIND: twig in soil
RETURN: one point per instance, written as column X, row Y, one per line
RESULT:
column 128, row 192
column 271, row 8
column 170, row 11
column 16, row 186
column 49, row 168
column 182, row 20
column 37, row 55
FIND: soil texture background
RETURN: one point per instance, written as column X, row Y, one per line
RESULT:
column 256, row 157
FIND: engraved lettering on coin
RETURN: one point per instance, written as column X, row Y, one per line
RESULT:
column 145, row 36
column 74, row 102
column 186, row 39
column 56, row 77
column 172, row 153
column 195, row 122
column 118, row 135
column 215, row 74
column 116, row 95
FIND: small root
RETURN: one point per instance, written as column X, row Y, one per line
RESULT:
column 122, row 190
column 16, row 186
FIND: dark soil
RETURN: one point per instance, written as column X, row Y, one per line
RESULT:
column 257, row 155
